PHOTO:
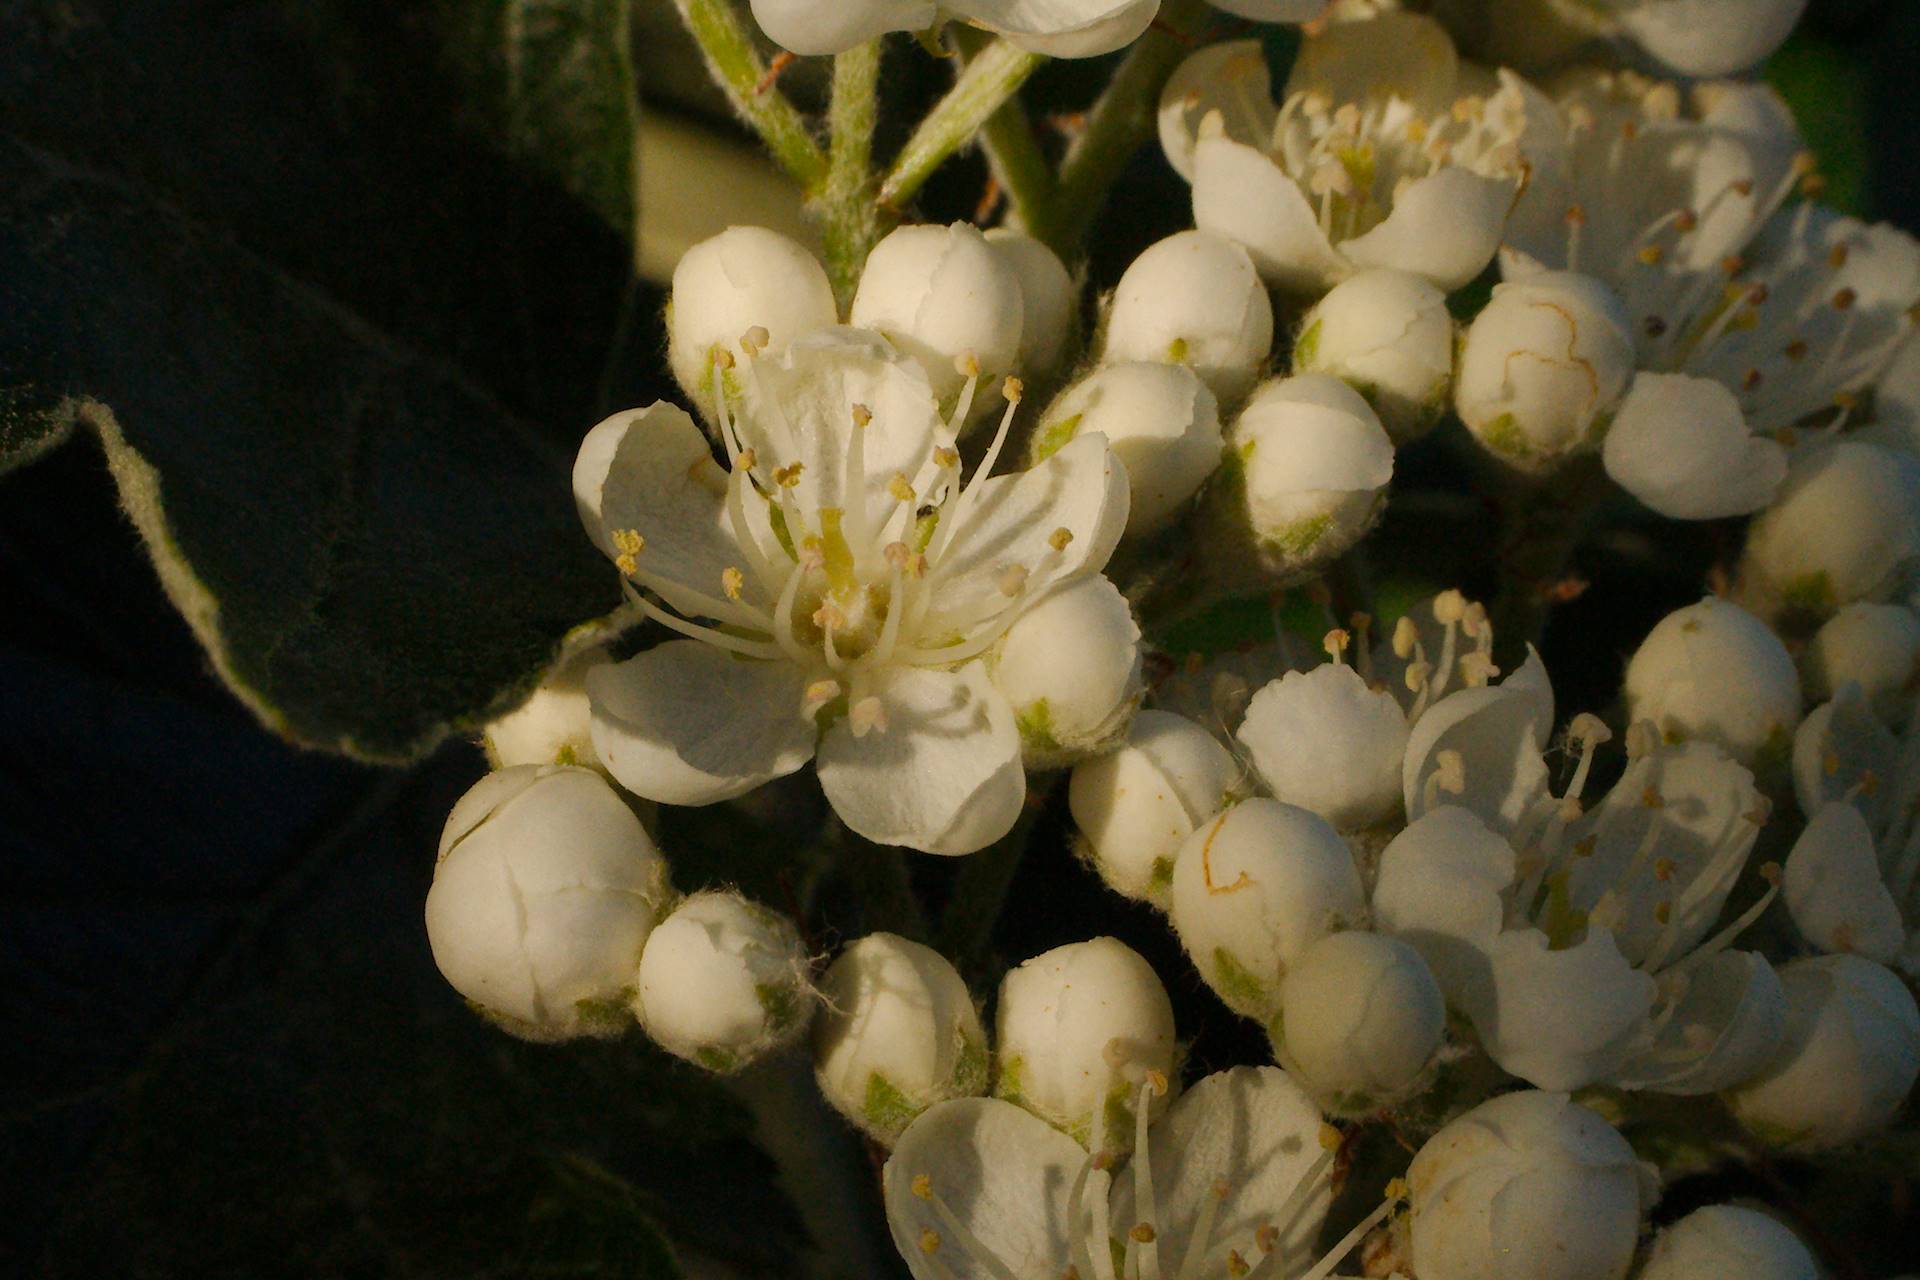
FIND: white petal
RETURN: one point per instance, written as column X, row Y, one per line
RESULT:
column 1496, row 731
column 1006, row 1176
column 652, row 471
column 1396, row 54
column 1728, row 1025
column 808, row 27
column 1531, row 678
column 1444, row 227
column 1711, row 37
column 1307, row 447
column 1841, row 751
column 1253, row 1129
column 1440, row 889
column 1231, row 78
column 1561, row 1019
column 1239, row 193
column 1681, row 445
column 1833, row 889
column 1117, row 31
column 1082, row 488
column 943, row 775
column 684, row 723
column 1038, row 17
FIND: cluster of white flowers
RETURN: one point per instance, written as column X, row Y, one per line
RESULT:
column 1441, row 897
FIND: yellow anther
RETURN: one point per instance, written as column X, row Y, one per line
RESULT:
column 1012, row 389
column 788, row 477
column 1220, row 1189
column 1141, row 1233
column 967, row 364
column 731, row 580
column 1236, row 1265
column 626, row 564
column 829, row 618
column 1405, row 637
column 1576, row 216
column 723, row 357
column 748, row 460
column 946, row 456
column 755, row 340
column 1837, row 256
column 1651, row 255
column 1060, row 538
column 862, row 415
column 897, row 554
column 1330, row 1138
column 1267, row 1238
column 898, row 488
column 929, row 1241
column 1397, row 1189
column 923, row 1186
column 1663, row 912
column 1770, row 872
column 1652, row 798
column 1335, row 642
column 1844, row 300
column 1012, row 580
column 1663, row 869
column 1157, row 1081
column 629, row 541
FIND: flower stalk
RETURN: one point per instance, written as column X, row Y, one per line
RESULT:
column 736, row 66
column 988, row 82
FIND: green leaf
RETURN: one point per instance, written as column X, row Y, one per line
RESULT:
column 554, row 81
column 374, row 552
column 1826, row 86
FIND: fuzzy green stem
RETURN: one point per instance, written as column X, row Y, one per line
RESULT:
column 849, row 217
column 1013, row 154
column 737, row 68
column 1122, row 119
column 986, row 84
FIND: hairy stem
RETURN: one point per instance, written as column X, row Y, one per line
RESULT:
column 986, row 83
column 1014, row 156
column 736, row 67
column 1122, row 119
column 849, row 216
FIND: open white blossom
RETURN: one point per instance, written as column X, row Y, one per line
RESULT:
column 838, row 588
column 545, row 890
column 1237, row 1175
column 1529, row 1186
column 1378, row 157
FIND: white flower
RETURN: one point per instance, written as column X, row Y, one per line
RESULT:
column 1235, row 1175
column 545, row 890
column 834, row 26
column 1833, row 888
column 1714, row 672
column 1540, row 368
column 723, row 982
column 1305, row 477
column 553, row 725
column 1389, row 335
column 1138, row 804
column 1253, row 889
column 1845, row 527
column 1850, row 1057
column 838, row 620
column 1707, row 37
column 1529, row 1186
column 1376, row 158
column 1326, row 741
column 1051, row 299
column 1193, row 299
column 1361, row 1018
column 1070, row 667
column 1078, row 1030
column 940, row 294
column 742, row 279
column 1680, row 445
column 1057, row 28
column 897, row 1032
column 1875, row 646
column 1727, row 1242
column 1159, row 419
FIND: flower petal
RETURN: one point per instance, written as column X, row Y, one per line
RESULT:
column 1834, row 891
column 1842, row 751
column 1239, row 193
column 809, row 27
column 1440, row 889
column 1444, row 227
column 1561, row 1019
column 1082, row 488
column 652, row 471
column 1681, row 445
column 1731, row 1017
column 1253, row 1130
column 1104, row 35
column 942, row 774
column 1231, row 78
column 1005, row 1174
column 684, row 723
column 1496, row 732
column 1396, row 54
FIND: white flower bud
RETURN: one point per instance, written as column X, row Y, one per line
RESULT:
column 1138, row 804
column 742, row 279
column 1845, row 527
column 1305, row 476
column 1050, row 297
column 1253, row 889
column 553, row 725
column 1116, row 31
column 1713, row 671
column 1876, row 646
column 1529, row 1186
column 1710, row 37
column 1389, row 336
column 1726, row 1242
column 1361, row 1017
column 723, row 982
column 1160, row 421
column 1079, row 1030
column 1850, row 1057
column 544, row 894
column 941, row 294
column 1070, row 667
column 809, row 27
column 1324, row 740
column 1541, row 366
column 1681, row 445
column 897, row 1032
column 1194, row 299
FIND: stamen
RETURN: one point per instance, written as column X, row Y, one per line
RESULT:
column 1143, row 1234
column 977, row 1253
column 1396, row 1192
column 866, row 715
column 693, row 631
